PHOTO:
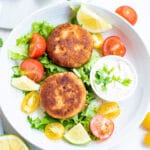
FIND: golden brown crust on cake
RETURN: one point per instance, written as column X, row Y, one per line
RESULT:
column 69, row 45
column 63, row 95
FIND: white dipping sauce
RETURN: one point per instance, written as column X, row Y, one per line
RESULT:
column 115, row 90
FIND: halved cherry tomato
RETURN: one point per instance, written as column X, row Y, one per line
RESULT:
column 101, row 127
column 146, row 122
column 98, row 40
column 128, row 13
column 113, row 45
column 54, row 131
column 147, row 139
column 30, row 102
column 37, row 46
column 109, row 110
column 33, row 69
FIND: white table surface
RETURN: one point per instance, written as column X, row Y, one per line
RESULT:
column 134, row 141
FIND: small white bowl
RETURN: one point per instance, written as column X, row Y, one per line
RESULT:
column 115, row 90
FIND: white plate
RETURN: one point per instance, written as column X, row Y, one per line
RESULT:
column 132, row 109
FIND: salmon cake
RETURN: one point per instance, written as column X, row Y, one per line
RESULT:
column 63, row 95
column 69, row 45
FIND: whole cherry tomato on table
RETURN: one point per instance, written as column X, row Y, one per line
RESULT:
column 113, row 45
column 37, row 46
column 128, row 13
column 33, row 69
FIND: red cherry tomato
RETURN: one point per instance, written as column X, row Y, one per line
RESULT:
column 32, row 69
column 113, row 46
column 101, row 127
column 128, row 13
column 37, row 46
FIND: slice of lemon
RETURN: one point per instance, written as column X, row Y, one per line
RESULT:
column 25, row 84
column 77, row 135
column 12, row 142
column 91, row 21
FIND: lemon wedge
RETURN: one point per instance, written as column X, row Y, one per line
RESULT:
column 25, row 84
column 91, row 21
column 12, row 142
column 77, row 135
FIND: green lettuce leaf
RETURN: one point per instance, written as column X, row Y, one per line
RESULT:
column 19, row 52
column 49, row 66
column 16, row 71
column 43, row 28
column 40, row 123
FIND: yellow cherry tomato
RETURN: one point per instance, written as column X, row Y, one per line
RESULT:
column 54, row 131
column 146, row 122
column 98, row 40
column 147, row 140
column 30, row 102
column 109, row 110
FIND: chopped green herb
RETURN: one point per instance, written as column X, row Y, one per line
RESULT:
column 107, row 70
column 126, row 81
column 116, row 78
column 1, row 42
column 105, row 76
column 101, row 78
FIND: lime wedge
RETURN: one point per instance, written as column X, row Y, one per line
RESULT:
column 91, row 21
column 77, row 135
column 25, row 84
column 12, row 142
